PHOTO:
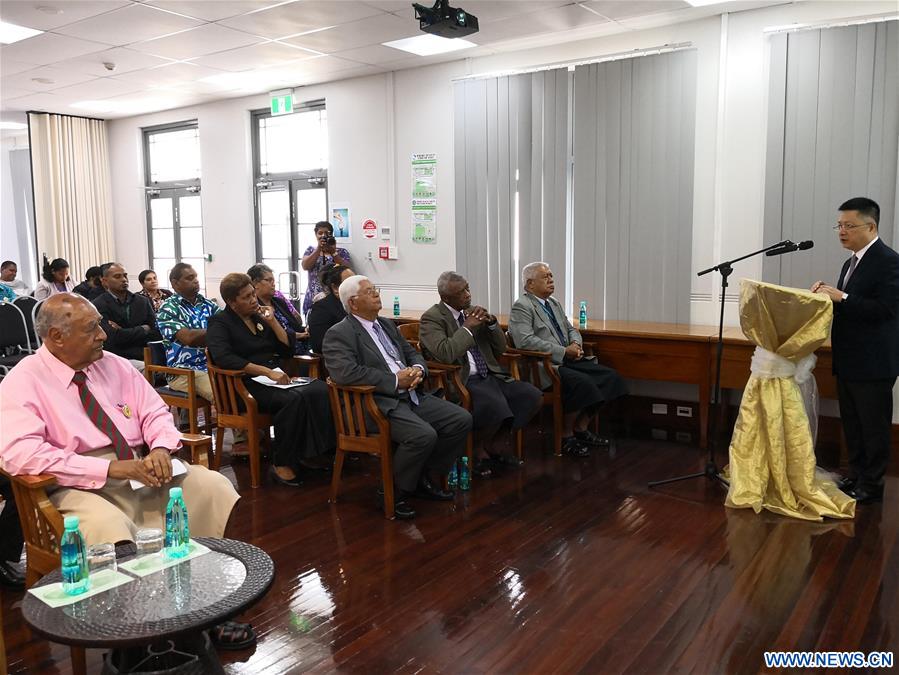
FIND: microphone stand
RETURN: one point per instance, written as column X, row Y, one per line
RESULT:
column 711, row 471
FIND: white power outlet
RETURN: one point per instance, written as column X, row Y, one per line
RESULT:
column 659, row 408
column 684, row 411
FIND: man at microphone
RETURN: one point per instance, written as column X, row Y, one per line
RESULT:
column 865, row 339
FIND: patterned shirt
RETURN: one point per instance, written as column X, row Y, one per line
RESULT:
column 315, row 284
column 161, row 296
column 177, row 313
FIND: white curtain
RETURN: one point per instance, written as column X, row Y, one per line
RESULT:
column 72, row 201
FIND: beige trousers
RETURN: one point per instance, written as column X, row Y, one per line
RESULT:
column 201, row 384
column 115, row 512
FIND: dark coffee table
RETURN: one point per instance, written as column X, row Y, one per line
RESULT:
column 166, row 611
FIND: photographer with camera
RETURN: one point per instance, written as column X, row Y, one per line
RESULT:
column 315, row 259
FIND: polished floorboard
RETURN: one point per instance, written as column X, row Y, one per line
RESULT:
column 562, row 565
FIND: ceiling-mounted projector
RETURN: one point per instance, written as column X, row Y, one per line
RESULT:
column 445, row 21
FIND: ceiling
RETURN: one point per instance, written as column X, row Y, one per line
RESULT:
column 116, row 58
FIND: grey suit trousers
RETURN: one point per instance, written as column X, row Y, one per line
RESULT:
column 430, row 435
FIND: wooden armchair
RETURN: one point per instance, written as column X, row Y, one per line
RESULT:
column 349, row 406
column 42, row 524
column 530, row 366
column 155, row 363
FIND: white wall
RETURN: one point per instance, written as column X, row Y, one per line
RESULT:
column 376, row 122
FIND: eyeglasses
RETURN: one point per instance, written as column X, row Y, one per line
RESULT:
column 846, row 227
column 372, row 290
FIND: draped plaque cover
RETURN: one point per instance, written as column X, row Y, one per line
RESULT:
column 772, row 452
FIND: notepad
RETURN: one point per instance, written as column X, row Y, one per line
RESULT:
column 178, row 468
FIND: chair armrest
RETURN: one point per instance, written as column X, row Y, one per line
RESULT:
column 355, row 388
column 545, row 359
column 42, row 480
column 589, row 348
column 149, row 368
column 313, row 363
column 200, row 447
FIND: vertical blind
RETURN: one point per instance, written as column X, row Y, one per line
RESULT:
column 833, row 133
column 511, row 152
column 632, row 186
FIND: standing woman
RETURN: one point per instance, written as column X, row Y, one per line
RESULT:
column 248, row 337
column 263, row 280
column 150, row 289
column 316, row 259
column 55, row 279
column 328, row 310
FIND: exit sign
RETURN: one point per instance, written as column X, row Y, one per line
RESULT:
column 283, row 104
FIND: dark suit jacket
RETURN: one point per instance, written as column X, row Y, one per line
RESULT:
column 352, row 358
column 129, row 340
column 865, row 332
column 444, row 340
column 324, row 314
column 232, row 345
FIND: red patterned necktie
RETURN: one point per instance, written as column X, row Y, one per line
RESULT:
column 100, row 419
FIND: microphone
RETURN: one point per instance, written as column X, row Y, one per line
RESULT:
column 790, row 247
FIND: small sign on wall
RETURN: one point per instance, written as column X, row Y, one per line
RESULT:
column 369, row 228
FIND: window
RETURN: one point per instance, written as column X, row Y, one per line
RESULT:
column 174, row 218
column 290, row 158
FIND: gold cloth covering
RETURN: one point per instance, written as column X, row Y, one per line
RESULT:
column 772, row 452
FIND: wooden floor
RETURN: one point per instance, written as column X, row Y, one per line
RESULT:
column 560, row 566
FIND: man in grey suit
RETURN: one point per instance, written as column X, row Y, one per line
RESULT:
column 429, row 433
column 454, row 332
column 539, row 323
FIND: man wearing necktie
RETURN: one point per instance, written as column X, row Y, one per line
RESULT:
column 454, row 332
column 865, row 339
column 538, row 322
column 429, row 433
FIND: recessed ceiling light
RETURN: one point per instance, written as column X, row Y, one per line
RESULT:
column 13, row 125
column 49, row 10
column 10, row 32
column 42, row 80
column 428, row 45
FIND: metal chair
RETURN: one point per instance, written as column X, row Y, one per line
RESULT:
column 28, row 304
column 14, row 342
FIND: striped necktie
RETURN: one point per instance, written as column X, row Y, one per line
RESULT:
column 556, row 326
column 480, row 363
column 100, row 419
column 393, row 353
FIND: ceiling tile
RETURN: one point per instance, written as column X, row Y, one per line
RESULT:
column 212, row 11
column 10, row 67
column 102, row 87
column 255, row 56
column 376, row 54
column 489, row 10
column 554, row 20
column 298, row 17
column 49, row 48
column 169, row 75
column 394, row 6
column 125, row 60
column 45, row 102
column 373, row 31
column 54, row 13
column 10, row 92
column 129, row 24
column 206, row 39
column 622, row 9
column 59, row 77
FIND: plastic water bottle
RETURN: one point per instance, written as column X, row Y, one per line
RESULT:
column 464, row 475
column 75, row 570
column 396, row 305
column 177, row 531
column 582, row 314
column 452, row 480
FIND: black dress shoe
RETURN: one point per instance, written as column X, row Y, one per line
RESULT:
column 847, row 483
column 289, row 482
column 427, row 490
column 482, row 468
column 506, row 460
column 866, row 495
column 402, row 510
column 589, row 438
column 572, row 446
column 12, row 576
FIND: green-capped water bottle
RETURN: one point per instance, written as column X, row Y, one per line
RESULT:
column 396, row 305
column 177, row 531
column 73, row 554
column 582, row 314
column 464, row 475
column 452, row 480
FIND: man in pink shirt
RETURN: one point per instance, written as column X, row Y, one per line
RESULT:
column 45, row 403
